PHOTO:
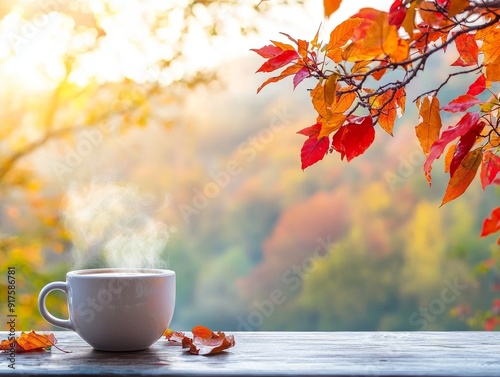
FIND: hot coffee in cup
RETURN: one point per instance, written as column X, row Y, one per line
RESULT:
column 115, row 309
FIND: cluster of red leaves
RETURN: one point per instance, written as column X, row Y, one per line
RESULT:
column 493, row 320
column 30, row 342
column 372, row 43
column 203, row 342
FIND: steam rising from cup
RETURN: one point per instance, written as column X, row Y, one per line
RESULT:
column 114, row 226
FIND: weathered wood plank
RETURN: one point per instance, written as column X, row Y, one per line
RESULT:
column 282, row 354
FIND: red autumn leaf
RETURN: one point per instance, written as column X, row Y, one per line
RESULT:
column 279, row 61
column 461, row 103
column 269, row 51
column 467, row 48
column 477, row 86
column 491, row 225
column 397, row 13
column 489, row 168
column 300, row 76
column 491, row 323
column 354, row 138
column 496, row 305
column 31, row 342
column 290, row 70
column 314, row 148
column 464, row 145
column 311, row 130
column 468, row 121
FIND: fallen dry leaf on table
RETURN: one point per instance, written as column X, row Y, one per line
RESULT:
column 31, row 342
column 174, row 336
column 203, row 342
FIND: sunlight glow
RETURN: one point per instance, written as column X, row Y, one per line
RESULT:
column 32, row 49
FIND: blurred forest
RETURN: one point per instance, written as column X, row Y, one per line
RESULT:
column 256, row 243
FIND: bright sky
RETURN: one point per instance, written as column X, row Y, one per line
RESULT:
column 31, row 49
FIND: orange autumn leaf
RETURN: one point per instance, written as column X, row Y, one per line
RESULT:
column 457, row 7
column 430, row 125
column 323, row 96
column 203, row 342
column 208, row 344
column 343, row 102
column 449, row 157
column 463, row 175
column 31, row 342
column 331, row 6
column 377, row 37
column 174, row 336
column 400, row 54
column 340, row 36
column 409, row 21
column 382, row 35
column 333, row 124
column 202, row 332
column 431, row 14
column 493, row 71
column 386, row 106
column 467, row 48
column 290, row 70
column 491, row 47
column 401, row 99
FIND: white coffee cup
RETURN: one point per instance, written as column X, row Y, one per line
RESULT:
column 115, row 309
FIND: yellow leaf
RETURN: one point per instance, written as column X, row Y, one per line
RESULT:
column 357, row 52
column 491, row 47
column 330, row 89
column 343, row 102
column 409, row 21
column 323, row 96
column 333, row 124
column 360, row 68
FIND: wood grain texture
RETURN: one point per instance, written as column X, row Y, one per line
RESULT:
column 281, row 354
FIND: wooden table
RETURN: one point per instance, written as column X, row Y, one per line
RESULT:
column 281, row 354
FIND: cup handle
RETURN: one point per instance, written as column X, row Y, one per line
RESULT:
column 54, row 286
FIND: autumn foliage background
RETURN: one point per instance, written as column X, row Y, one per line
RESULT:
column 362, row 245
